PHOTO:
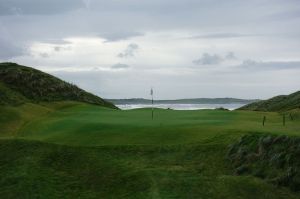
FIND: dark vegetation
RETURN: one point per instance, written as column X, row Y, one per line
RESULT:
column 20, row 84
column 278, row 103
column 273, row 158
column 221, row 109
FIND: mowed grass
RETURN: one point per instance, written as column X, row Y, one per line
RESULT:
column 74, row 150
column 88, row 125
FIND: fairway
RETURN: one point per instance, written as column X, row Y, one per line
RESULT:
column 81, row 150
column 88, row 125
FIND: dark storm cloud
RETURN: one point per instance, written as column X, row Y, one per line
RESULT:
column 38, row 7
column 129, row 51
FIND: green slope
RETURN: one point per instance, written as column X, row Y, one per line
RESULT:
column 19, row 84
column 81, row 124
column 87, row 125
column 278, row 103
column 77, row 150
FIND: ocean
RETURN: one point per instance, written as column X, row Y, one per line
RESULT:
column 180, row 106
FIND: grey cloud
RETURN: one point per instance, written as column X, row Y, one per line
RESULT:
column 120, row 66
column 127, row 18
column 38, row 7
column 52, row 21
column 230, row 55
column 44, row 55
column 61, row 48
column 120, row 35
column 213, row 59
column 272, row 65
column 57, row 48
column 249, row 62
column 220, row 36
column 208, row 59
column 16, row 11
column 55, row 41
column 129, row 51
column 9, row 48
column 285, row 15
column 87, row 3
column 110, row 84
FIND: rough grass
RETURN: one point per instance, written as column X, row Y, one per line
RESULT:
column 274, row 158
column 279, row 103
column 40, row 170
column 8, row 96
column 20, row 84
column 74, row 150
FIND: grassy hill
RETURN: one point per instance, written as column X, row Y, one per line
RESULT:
column 278, row 103
column 20, row 84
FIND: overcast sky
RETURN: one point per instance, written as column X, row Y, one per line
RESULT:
column 181, row 48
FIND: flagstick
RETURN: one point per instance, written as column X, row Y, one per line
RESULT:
column 152, row 102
